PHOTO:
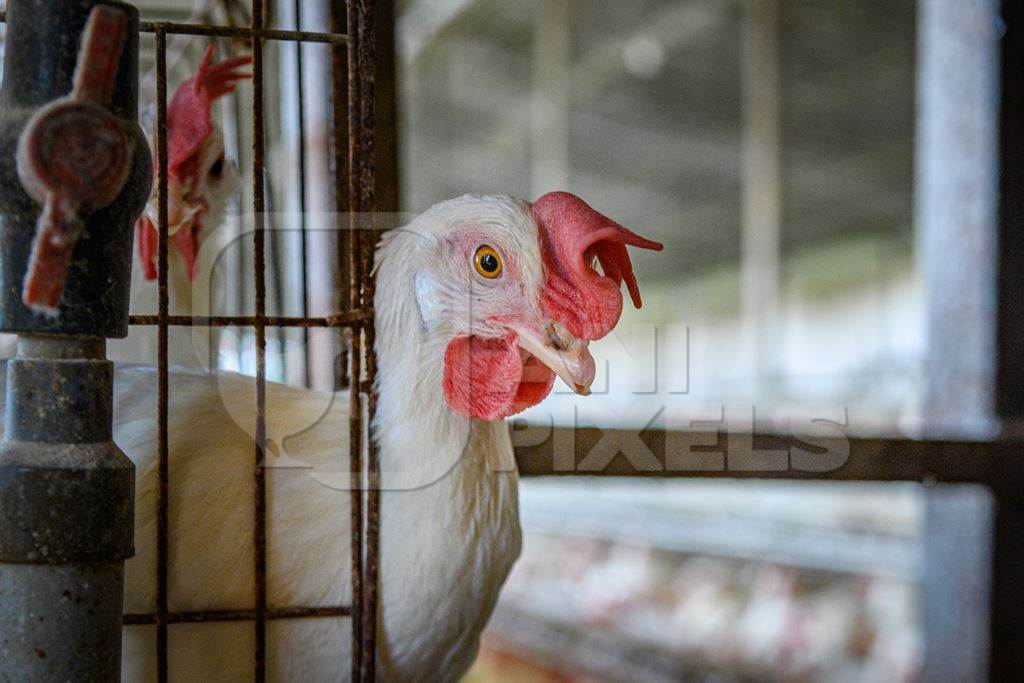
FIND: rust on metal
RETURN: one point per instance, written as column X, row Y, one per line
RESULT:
column 173, row 28
column 339, row 159
column 363, row 174
column 163, row 472
column 359, row 77
column 259, row 267
column 343, row 320
column 342, row 73
column 238, row 615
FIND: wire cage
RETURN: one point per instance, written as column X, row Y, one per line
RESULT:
column 350, row 40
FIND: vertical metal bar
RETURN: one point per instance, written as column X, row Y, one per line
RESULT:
column 260, row 535
column 364, row 171
column 1010, row 305
column 163, row 388
column 355, row 153
column 955, row 221
column 955, row 582
column 1006, row 616
column 1007, row 626
column 355, row 355
column 956, row 185
column 366, row 63
column 303, row 237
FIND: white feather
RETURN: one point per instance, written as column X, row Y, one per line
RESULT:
column 427, row 299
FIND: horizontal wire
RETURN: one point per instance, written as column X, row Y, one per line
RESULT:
column 175, row 28
column 351, row 319
column 242, row 32
column 239, row 615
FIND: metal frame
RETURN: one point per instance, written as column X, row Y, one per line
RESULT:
column 995, row 464
column 353, row 99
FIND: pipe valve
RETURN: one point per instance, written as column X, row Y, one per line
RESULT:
column 73, row 158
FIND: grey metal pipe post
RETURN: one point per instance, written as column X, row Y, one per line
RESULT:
column 75, row 172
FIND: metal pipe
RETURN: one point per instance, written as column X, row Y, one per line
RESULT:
column 66, row 510
column 66, row 491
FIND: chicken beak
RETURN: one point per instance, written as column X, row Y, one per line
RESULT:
column 566, row 356
column 183, row 215
column 180, row 211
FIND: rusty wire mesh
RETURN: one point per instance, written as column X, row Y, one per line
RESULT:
column 352, row 91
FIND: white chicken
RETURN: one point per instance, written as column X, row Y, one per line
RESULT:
column 200, row 184
column 480, row 302
column 201, row 181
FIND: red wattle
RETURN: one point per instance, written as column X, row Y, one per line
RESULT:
column 486, row 380
column 534, row 386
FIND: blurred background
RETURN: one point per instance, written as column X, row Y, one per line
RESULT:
column 799, row 159
column 810, row 166
column 771, row 146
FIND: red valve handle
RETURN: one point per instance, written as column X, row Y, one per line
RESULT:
column 74, row 157
column 100, row 55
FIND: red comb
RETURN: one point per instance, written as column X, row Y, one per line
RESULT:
column 188, row 116
column 575, row 294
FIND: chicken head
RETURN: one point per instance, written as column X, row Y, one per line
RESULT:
column 199, row 178
column 511, row 294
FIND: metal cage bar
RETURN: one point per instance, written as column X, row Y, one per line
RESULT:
column 163, row 451
column 362, row 174
column 357, row 317
column 241, row 32
column 359, row 621
column 238, row 615
column 259, row 273
column 176, row 28
column 342, row 320
column 300, row 103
